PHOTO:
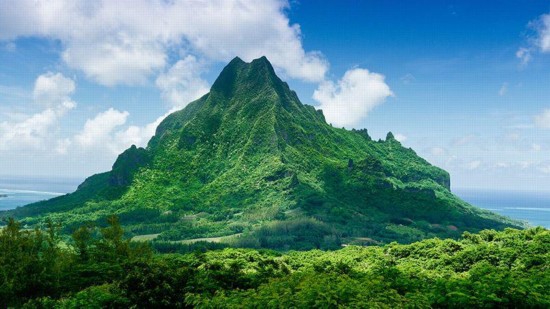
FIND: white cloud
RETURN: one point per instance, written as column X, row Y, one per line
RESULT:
column 543, row 120
column 348, row 101
column 97, row 131
column 136, row 135
column 182, row 84
column 542, row 27
column 53, row 89
column 536, row 147
column 503, row 89
column 62, row 146
column 118, row 60
column 524, row 55
column 126, row 42
column 539, row 42
column 28, row 133
column 106, row 133
column 34, row 131
column 400, row 137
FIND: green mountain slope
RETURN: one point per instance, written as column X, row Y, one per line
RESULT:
column 250, row 160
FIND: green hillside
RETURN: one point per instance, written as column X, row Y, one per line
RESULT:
column 248, row 164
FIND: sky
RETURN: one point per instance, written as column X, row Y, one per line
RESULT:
column 463, row 83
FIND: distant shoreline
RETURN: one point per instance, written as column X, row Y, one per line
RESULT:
column 30, row 192
column 38, row 184
column 11, row 199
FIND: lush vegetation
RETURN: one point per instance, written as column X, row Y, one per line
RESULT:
column 246, row 169
column 249, row 159
column 98, row 268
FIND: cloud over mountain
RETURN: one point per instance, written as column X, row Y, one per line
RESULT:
column 125, row 42
column 182, row 83
column 348, row 101
column 171, row 45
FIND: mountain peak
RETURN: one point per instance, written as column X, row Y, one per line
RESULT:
column 243, row 93
column 262, row 62
column 235, row 61
column 237, row 72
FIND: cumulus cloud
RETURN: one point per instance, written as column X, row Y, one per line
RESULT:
column 28, row 133
column 62, row 146
column 120, row 60
column 182, row 83
column 138, row 135
column 348, row 101
column 97, row 131
column 542, row 27
column 125, row 42
column 538, row 42
column 52, row 91
column 108, row 134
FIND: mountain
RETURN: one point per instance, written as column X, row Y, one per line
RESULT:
column 250, row 165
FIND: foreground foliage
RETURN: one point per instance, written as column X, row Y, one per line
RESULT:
column 98, row 267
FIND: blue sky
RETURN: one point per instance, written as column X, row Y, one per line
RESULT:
column 464, row 83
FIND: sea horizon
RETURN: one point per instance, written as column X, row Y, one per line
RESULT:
column 530, row 206
column 24, row 190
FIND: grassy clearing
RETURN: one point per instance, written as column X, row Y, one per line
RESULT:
column 147, row 237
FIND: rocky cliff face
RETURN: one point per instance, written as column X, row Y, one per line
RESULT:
column 127, row 164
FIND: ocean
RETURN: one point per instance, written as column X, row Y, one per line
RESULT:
column 20, row 191
column 530, row 206
column 533, row 207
